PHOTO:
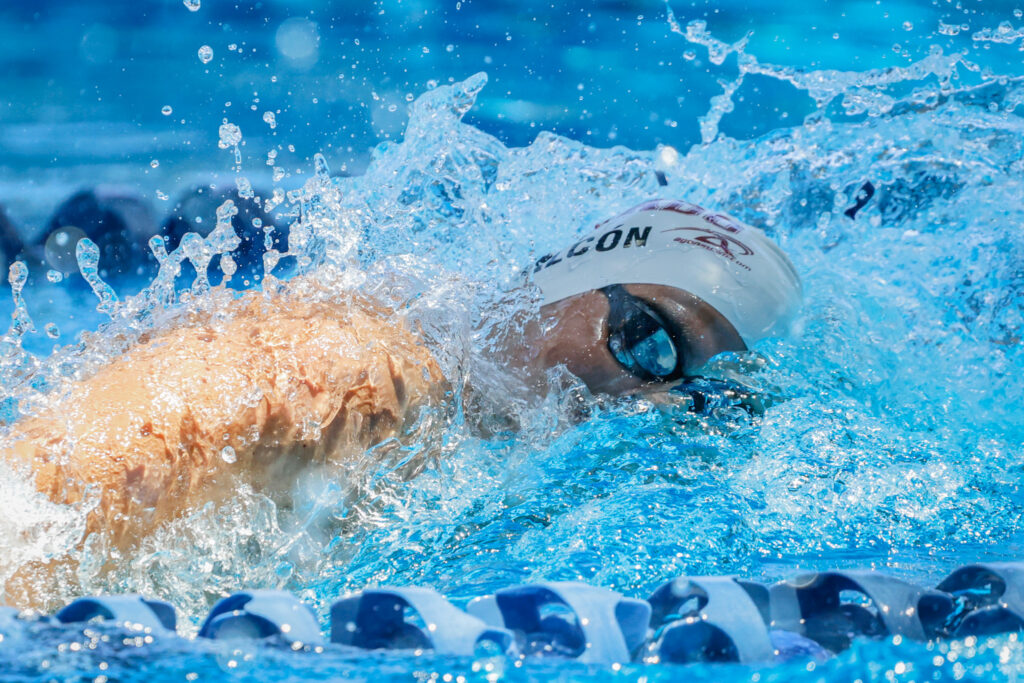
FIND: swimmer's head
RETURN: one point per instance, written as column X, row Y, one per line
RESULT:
column 651, row 295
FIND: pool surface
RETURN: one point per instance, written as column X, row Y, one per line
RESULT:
column 425, row 152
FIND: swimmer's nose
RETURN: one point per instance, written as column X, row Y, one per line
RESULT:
column 118, row 221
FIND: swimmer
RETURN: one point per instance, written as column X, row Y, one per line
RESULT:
column 276, row 383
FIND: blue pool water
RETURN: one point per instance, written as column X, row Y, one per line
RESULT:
column 894, row 440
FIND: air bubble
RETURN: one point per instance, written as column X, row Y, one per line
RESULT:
column 205, row 54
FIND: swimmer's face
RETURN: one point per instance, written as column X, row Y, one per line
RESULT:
column 576, row 333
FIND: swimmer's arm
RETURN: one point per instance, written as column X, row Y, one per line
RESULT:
column 298, row 383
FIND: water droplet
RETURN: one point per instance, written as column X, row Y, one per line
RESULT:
column 227, row 454
column 154, row 163
column 449, row 48
column 52, row 331
column 205, row 54
column 230, row 135
column 270, row 119
column 320, row 168
column 908, row 26
column 54, row 276
column 162, row 196
column 192, row 5
column 244, row 187
column 948, row 29
column 166, row 110
column 228, row 267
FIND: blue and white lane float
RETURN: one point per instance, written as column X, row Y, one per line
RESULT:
column 687, row 619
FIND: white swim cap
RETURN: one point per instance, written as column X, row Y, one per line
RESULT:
column 733, row 267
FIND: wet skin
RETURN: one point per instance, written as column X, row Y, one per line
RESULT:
column 282, row 381
column 574, row 332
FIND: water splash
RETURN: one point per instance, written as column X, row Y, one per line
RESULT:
column 88, row 256
column 21, row 322
column 859, row 92
column 1005, row 33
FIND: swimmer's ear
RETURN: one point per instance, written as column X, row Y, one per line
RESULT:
column 864, row 195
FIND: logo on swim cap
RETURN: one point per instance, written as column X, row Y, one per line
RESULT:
column 715, row 242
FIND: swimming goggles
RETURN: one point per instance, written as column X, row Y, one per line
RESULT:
column 640, row 338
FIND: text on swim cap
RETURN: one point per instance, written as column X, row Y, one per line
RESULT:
column 606, row 242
